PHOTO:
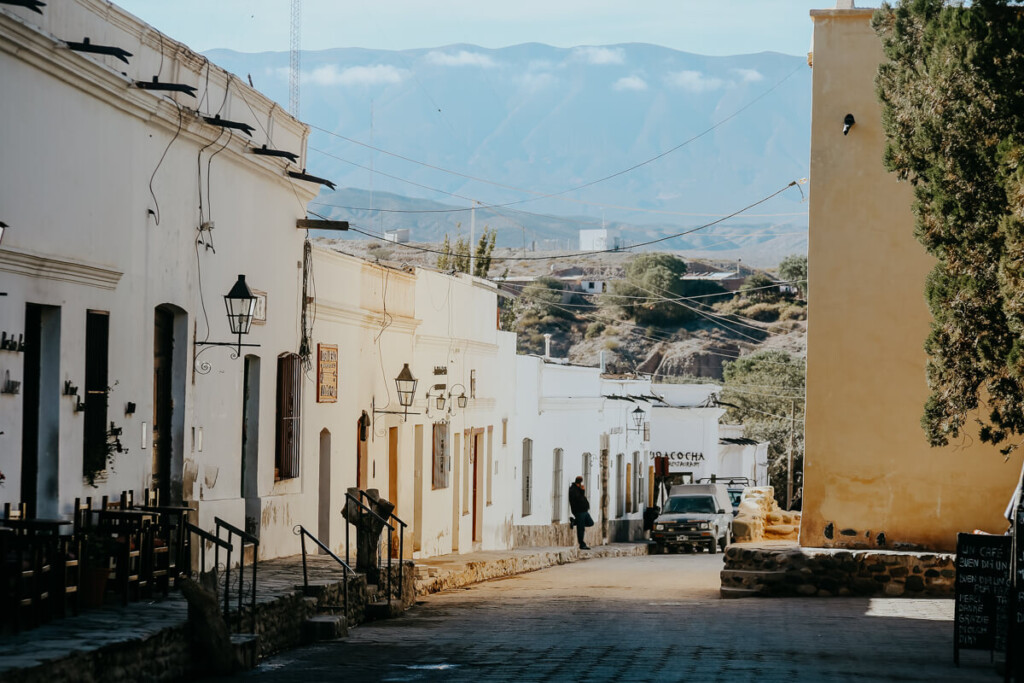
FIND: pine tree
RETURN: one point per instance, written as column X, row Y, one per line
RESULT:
column 952, row 95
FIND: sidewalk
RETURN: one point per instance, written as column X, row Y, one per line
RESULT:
column 436, row 574
column 149, row 640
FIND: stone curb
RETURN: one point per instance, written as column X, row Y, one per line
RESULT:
column 519, row 562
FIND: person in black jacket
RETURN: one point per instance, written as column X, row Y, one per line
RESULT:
column 579, row 506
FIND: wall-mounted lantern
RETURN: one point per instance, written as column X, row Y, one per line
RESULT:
column 637, row 416
column 405, row 384
column 240, row 303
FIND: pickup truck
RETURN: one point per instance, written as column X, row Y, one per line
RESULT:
column 695, row 516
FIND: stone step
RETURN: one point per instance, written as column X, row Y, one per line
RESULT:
column 324, row 627
column 246, row 646
column 383, row 609
column 749, row 577
column 739, row 592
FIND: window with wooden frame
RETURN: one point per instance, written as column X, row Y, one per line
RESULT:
column 440, row 456
column 94, row 430
column 556, row 487
column 289, row 416
column 527, row 476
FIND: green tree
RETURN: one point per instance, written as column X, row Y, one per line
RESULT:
column 484, row 249
column 952, row 92
column 543, row 297
column 793, row 269
column 650, row 280
column 457, row 258
column 762, row 390
column 444, row 259
column 760, row 287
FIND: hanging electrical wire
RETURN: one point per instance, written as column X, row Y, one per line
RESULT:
column 544, row 195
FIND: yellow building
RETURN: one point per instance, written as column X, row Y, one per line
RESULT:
column 868, row 467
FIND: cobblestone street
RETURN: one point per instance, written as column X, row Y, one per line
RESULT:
column 639, row 618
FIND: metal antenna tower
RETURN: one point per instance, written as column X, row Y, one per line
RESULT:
column 293, row 59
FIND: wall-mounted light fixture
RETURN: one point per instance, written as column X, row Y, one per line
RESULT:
column 848, row 122
column 129, row 408
column 445, row 397
column 637, row 417
column 240, row 303
column 3, row 227
column 405, row 384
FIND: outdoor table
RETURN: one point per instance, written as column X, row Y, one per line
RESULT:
column 35, row 524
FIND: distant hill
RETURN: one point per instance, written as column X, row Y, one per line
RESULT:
column 549, row 119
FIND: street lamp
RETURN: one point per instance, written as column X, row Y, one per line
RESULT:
column 240, row 304
column 405, row 384
column 638, row 419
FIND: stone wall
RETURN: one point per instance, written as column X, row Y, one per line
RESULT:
column 789, row 570
column 552, row 536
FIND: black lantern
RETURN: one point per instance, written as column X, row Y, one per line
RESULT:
column 462, row 400
column 638, row 419
column 241, row 305
column 439, row 401
column 406, row 385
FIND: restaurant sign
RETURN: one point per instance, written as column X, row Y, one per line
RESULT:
column 681, row 459
column 327, row 373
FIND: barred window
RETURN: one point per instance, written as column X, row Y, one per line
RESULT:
column 442, row 464
column 289, row 417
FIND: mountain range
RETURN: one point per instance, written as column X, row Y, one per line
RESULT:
column 643, row 139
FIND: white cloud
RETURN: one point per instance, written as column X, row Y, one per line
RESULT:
column 599, row 55
column 460, row 58
column 537, row 81
column 694, row 81
column 377, row 74
column 630, row 83
column 749, row 75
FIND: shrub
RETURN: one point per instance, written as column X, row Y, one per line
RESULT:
column 765, row 313
column 793, row 312
column 594, row 329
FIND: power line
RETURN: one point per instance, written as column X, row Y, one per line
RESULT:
column 544, row 195
column 792, row 183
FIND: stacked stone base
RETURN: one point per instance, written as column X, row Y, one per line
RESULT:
column 789, row 570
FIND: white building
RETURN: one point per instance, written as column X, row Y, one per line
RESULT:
column 599, row 239
column 569, row 422
column 115, row 282
column 686, row 430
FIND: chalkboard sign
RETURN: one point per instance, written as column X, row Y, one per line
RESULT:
column 1015, row 649
column 982, row 589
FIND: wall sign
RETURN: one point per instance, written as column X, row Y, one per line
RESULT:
column 327, row 373
column 681, row 458
column 982, row 583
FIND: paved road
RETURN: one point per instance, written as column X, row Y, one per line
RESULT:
column 655, row 618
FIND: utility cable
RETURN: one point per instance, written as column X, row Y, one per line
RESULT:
column 543, row 195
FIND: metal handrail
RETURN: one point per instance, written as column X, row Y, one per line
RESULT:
column 301, row 532
column 218, row 543
column 401, row 547
column 252, row 540
column 391, row 530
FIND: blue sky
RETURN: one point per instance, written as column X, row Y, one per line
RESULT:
column 711, row 27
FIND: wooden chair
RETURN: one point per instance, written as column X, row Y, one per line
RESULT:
column 26, row 559
column 129, row 536
column 70, row 556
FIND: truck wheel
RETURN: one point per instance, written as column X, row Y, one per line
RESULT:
column 713, row 546
column 659, row 549
column 725, row 540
